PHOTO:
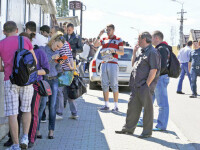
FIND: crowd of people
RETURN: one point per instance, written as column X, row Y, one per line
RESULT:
column 148, row 81
column 25, row 102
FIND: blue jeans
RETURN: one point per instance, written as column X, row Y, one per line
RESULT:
column 60, row 102
column 72, row 105
column 52, row 104
column 162, row 100
column 193, row 82
column 184, row 69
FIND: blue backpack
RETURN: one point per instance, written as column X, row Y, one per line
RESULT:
column 24, row 68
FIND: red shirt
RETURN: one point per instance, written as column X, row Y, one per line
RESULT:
column 115, row 42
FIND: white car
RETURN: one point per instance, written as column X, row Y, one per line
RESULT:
column 125, row 68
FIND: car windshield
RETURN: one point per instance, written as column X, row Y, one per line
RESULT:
column 126, row 57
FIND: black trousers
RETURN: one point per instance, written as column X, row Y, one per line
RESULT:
column 140, row 97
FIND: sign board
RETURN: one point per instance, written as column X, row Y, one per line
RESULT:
column 75, row 5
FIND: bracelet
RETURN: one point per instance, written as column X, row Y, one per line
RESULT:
column 98, row 37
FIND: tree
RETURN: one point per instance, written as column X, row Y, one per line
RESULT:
column 62, row 8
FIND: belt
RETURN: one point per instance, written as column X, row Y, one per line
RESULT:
column 51, row 78
column 111, row 62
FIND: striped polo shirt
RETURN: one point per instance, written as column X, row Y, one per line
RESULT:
column 66, row 50
column 115, row 42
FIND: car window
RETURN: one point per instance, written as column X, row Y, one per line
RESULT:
column 126, row 57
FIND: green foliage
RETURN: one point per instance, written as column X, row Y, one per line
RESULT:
column 62, row 8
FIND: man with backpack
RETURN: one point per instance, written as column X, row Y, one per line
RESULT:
column 161, row 94
column 8, row 47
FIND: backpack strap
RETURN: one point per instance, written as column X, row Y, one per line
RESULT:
column 21, row 42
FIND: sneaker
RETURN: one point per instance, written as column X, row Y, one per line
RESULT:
column 8, row 143
column 115, row 109
column 104, row 108
column 180, row 92
column 14, row 147
column 43, row 121
column 193, row 96
column 157, row 129
column 74, row 117
column 139, row 125
column 24, row 142
column 58, row 117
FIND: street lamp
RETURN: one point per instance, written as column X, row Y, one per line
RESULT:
column 179, row 2
column 181, row 22
column 136, row 29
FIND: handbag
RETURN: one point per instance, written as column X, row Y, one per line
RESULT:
column 44, row 88
column 66, row 78
column 77, row 88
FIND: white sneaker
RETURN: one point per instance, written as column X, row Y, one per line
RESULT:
column 24, row 142
column 74, row 117
column 59, row 117
column 13, row 148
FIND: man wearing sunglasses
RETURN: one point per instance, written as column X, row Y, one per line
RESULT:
column 110, row 69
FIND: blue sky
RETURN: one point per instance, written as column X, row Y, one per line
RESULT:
column 144, row 15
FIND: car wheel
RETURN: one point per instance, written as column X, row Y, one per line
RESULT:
column 92, row 85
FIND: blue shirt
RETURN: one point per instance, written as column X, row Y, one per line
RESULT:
column 49, row 52
column 195, row 60
column 184, row 54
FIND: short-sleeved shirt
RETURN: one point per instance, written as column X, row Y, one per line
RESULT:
column 148, row 59
column 39, row 40
column 114, row 42
column 195, row 60
column 184, row 54
column 8, row 47
column 66, row 50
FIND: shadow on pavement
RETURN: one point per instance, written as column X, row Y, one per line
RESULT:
column 168, row 144
column 81, row 134
column 111, row 100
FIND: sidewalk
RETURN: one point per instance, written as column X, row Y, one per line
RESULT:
column 95, row 130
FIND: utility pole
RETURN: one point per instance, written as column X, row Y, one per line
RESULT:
column 181, row 22
column 181, row 26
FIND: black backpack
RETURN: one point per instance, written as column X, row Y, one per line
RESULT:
column 174, row 68
column 24, row 68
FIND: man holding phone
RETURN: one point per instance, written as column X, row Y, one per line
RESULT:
column 110, row 69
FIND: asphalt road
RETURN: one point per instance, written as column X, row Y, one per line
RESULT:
column 184, row 111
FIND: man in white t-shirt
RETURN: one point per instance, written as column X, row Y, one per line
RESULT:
column 39, row 39
column 86, row 50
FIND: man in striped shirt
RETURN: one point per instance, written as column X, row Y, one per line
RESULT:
column 110, row 69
